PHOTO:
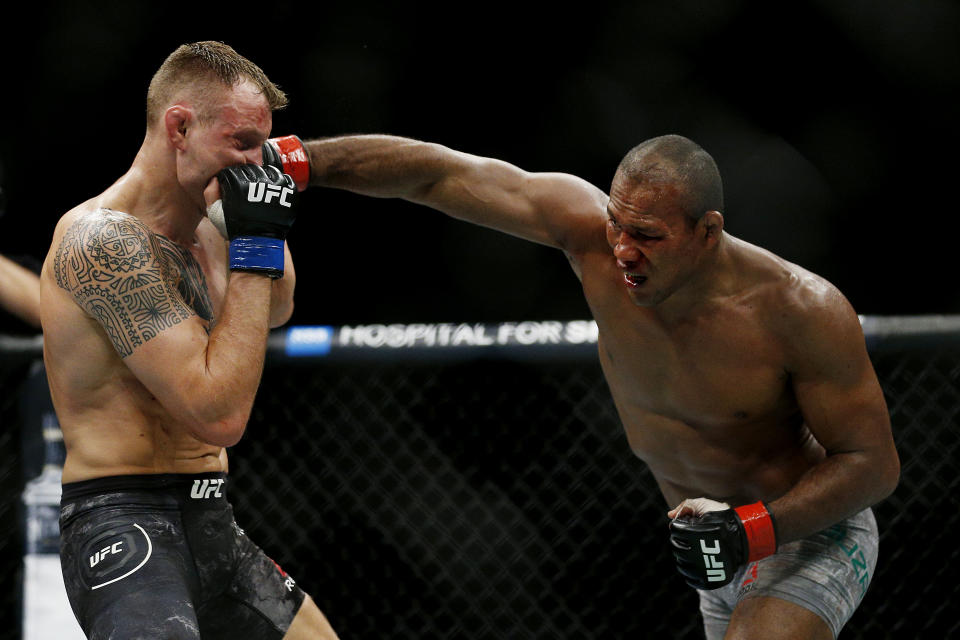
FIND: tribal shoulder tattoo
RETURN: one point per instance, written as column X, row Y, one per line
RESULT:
column 134, row 282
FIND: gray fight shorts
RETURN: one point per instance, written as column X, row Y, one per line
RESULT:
column 827, row 573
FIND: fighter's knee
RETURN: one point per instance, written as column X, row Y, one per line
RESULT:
column 769, row 618
column 310, row 623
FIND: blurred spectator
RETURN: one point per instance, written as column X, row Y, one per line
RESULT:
column 19, row 293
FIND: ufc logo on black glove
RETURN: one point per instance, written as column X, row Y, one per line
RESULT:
column 709, row 547
column 255, row 211
column 715, row 569
column 261, row 192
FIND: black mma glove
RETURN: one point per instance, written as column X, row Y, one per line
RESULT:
column 290, row 156
column 255, row 212
column 711, row 546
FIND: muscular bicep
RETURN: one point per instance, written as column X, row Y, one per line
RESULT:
column 111, row 264
column 553, row 209
column 119, row 273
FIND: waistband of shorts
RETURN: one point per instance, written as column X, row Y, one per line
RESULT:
column 176, row 485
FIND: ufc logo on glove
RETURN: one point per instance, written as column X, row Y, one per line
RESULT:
column 708, row 543
column 262, row 192
column 254, row 213
column 715, row 572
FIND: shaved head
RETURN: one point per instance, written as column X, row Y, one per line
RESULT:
column 679, row 162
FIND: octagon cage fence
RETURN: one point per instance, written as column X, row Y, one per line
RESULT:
column 473, row 481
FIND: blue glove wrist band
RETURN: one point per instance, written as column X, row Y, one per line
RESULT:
column 257, row 253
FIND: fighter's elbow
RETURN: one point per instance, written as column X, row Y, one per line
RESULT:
column 225, row 432
column 217, row 427
column 879, row 473
column 281, row 313
column 889, row 475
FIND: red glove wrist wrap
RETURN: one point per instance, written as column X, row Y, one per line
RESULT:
column 294, row 157
column 761, row 535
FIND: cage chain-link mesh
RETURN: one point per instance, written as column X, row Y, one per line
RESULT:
column 500, row 500
column 497, row 499
column 485, row 500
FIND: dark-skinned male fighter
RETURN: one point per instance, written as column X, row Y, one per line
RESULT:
column 741, row 379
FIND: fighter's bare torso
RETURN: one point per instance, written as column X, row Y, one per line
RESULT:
column 706, row 401
column 111, row 423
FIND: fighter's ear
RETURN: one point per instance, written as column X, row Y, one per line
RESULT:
column 176, row 119
column 711, row 224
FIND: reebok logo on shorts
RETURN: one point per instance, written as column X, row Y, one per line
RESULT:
column 288, row 582
column 749, row 581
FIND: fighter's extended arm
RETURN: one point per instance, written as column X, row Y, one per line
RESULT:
column 112, row 265
column 547, row 208
column 20, row 291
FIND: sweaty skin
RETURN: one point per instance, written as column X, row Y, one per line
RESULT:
column 737, row 375
column 707, row 420
column 152, row 358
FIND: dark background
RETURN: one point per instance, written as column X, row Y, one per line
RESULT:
column 834, row 123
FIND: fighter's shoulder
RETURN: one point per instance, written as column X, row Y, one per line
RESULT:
column 584, row 207
column 802, row 306
column 565, row 193
column 90, row 218
column 808, row 297
column 91, row 240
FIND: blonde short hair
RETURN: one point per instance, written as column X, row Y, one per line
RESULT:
column 198, row 69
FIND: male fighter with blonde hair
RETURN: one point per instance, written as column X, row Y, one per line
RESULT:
column 155, row 325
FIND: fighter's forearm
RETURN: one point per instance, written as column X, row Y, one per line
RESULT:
column 840, row 486
column 234, row 360
column 555, row 209
column 377, row 165
column 259, row 293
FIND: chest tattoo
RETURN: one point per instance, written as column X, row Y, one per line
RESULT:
column 184, row 273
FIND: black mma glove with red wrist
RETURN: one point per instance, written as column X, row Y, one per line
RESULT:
column 709, row 548
column 290, row 156
column 255, row 211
